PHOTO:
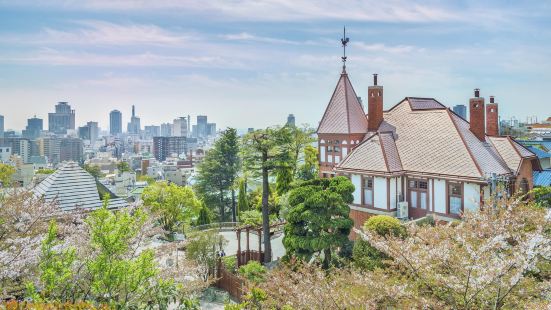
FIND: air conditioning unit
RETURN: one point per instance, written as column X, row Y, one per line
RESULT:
column 402, row 210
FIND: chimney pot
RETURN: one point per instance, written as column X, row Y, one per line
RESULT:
column 491, row 99
column 375, row 79
column 477, row 92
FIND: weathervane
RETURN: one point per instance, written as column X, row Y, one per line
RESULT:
column 344, row 41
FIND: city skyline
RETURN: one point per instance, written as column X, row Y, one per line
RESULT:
column 175, row 59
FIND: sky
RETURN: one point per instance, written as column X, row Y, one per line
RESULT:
column 251, row 63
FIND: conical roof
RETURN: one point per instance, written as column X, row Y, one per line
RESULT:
column 71, row 187
column 344, row 113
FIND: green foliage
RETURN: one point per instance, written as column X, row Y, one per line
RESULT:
column 203, row 248
column 384, row 225
column 252, row 301
column 255, row 199
column 45, row 171
column 310, row 168
column 204, row 216
column 318, row 221
column 542, row 196
column 6, row 173
column 242, row 199
column 251, row 218
column 123, row 166
column 230, row 263
column 176, row 205
column 146, row 178
column 253, row 271
column 94, row 170
column 217, row 173
column 284, row 178
column 367, row 257
column 111, row 272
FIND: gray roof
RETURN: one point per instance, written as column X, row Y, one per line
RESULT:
column 71, row 187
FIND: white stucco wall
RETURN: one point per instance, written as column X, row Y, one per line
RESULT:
column 393, row 193
column 439, row 196
column 471, row 196
column 379, row 193
column 357, row 181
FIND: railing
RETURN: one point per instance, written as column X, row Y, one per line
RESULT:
column 221, row 226
column 230, row 283
column 244, row 257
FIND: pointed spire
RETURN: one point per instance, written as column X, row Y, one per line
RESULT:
column 344, row 42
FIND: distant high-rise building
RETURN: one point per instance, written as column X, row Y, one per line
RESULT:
column 71, row 149
column 460, row 110
column 34, row 128
column 166, row 129
column 19, row 146
column 152, row 131
column 163, row 147
column 211, row 129
column 179, row 128
column 189, row 125
column 134, row 126
column 115, row 122
column 89, row 132
column 201, row 126
column 62, row 119
column 291, row 120
column 49, row 147
column 1, row 126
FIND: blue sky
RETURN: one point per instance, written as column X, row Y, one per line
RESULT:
column 250, row 63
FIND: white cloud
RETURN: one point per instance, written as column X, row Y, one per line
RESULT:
column 245, row 36
column 383, row 48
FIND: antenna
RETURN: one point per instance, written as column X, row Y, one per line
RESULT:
column 344, row 42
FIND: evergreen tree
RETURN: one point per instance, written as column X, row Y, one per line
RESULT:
column 264, row 151
column 318, row 222
column 242, row 198
column 204, row 217
column 310, row 168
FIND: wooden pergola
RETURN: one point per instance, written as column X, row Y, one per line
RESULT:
column 248, row 255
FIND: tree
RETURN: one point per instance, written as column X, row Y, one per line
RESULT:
column 204, row 217
column 176, row 205
column 106, row 264
column 300, row 139
column 310, row 168
column 217, row 173
column 24, row 220
column 318, row 222
column 242, row 200
column 94, row 170
column 6, row 173
column 203, row 248
column 253, row 271
column 123, row 166
column 263, row 152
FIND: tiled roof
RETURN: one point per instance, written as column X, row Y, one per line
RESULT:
column 344, row 113
column 511, row 151
column 421, row 135
column 72, row 187
column 539, row 153
column 542, row 178
column 424, row 103
column 367, row 156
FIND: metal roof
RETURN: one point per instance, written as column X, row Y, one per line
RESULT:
column 542, row 178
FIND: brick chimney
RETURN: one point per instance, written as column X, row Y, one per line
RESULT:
column 374, row 105
column 476, row 111
column 492, row 118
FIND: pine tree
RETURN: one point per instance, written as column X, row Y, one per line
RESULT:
column 242, row 198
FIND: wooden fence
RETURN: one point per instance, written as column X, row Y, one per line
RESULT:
column 230, row 282
column 244, row 257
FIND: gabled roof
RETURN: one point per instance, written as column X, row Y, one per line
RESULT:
column 344, row 113
column 539, row 153
column 511, row 151
column 71, row 187
column 422, row 135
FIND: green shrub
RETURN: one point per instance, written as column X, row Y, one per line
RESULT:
column 230, row 263
column 384, row 225
column 253, row 271
column 367, row 257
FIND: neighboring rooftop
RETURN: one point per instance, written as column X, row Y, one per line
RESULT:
column 542, row 178
column 71, row 187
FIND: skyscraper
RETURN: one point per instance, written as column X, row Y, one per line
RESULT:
column 62, row 119
column 165, row 146
column 201, row 126
column 134, row 126
column 460, row 110
column 115, row 122
column 1, row 127
column 291, row 120
column 166, row 129
column 179, row 128
column 34, row 128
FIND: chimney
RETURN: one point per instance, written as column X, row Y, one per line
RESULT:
column 476, row 111
column 374, row 105
column 492, row 118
